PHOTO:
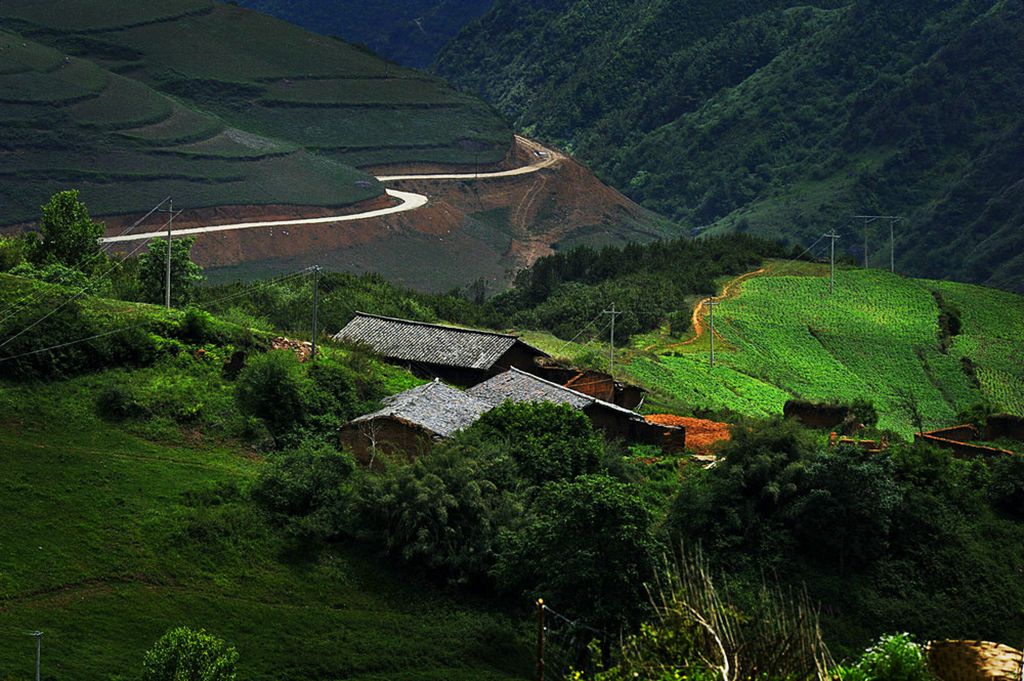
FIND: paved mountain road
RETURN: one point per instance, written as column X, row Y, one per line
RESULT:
column 409, row 200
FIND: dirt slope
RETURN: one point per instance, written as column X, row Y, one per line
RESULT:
column 473, row 228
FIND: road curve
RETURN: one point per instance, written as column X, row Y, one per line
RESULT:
column 409, row 200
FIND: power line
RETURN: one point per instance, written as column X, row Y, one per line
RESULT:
column 32, row 296
column 140, row 324
column 74, row 297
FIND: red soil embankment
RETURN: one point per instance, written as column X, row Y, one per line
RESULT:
column 701, row 434
column 505, row 223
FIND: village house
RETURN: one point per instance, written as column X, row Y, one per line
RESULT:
column 613, row 421
column 459, row 356
column 411, row 422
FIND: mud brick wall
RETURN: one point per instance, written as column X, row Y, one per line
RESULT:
column 973, row 661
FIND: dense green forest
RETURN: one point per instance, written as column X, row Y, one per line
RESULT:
column 410, row 32
column 782, row 118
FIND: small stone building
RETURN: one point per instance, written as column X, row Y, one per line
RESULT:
column 459, row 356
column 612, row 420
column 411, row 422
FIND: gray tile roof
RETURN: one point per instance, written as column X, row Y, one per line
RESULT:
column 429, row 343
column 519, row 386
column 433, row 406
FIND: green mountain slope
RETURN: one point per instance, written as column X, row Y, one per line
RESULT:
column 115, row 531
column 210, row 102
column 878, row 337
column 410, row 32
column 782, row 118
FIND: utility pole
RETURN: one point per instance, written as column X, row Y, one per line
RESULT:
column 711, row 317
column 540, row 639
column 170, row 227
column 832, row 261
column 611, row 351
column 316, row 300
column 868, row 219
column 38, row 635
column 892, row 244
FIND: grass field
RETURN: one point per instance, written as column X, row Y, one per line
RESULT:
column 113, row 533
column 213, row 104
column 877, row 338
column 110, row 539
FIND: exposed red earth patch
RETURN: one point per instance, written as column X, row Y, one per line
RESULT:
column 701, row 434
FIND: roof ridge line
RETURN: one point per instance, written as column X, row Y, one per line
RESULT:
column 555, row 385
column 439, row 326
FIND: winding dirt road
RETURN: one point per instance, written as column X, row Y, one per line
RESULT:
column 697, row 321
column 408, row 200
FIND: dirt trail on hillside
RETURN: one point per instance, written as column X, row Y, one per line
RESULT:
column 730, row 290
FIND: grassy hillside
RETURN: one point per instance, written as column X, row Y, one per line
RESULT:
column 410, row 32
column 213, row 104
column 878, row 337
column 117, row 530
column 783, row 117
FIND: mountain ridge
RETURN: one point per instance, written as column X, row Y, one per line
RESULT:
column 784, row 118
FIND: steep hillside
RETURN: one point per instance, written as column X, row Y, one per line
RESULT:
column 213, row 104
column 125, row 518
column 410, row 32
column 782, row 118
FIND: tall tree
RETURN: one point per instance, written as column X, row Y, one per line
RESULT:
column 185, row 274
column 67, row 234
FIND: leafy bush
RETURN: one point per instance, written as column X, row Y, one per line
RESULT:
column 586, row 546
column 894, row 657
column 273, row 387
column 14, row 250
column 547, row 441
column 302, row 489
column 1006, row 488
column 68, row 235
column 117, row 402
column 152, row 271
column 446, row 510
column 184, row 654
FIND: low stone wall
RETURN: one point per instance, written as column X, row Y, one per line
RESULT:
column 964, row 450
column 973, row 661
column 965, row 433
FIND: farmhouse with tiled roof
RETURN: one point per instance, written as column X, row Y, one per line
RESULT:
column 460, row 356
column 410, row 422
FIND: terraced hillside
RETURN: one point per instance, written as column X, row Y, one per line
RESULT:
column 878, row 337
column 211, row 102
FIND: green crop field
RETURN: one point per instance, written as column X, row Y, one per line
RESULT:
column 877, row 338
column 213, row 104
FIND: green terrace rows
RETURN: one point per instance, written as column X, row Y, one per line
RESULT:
column 877, row 337
column 211, row 103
